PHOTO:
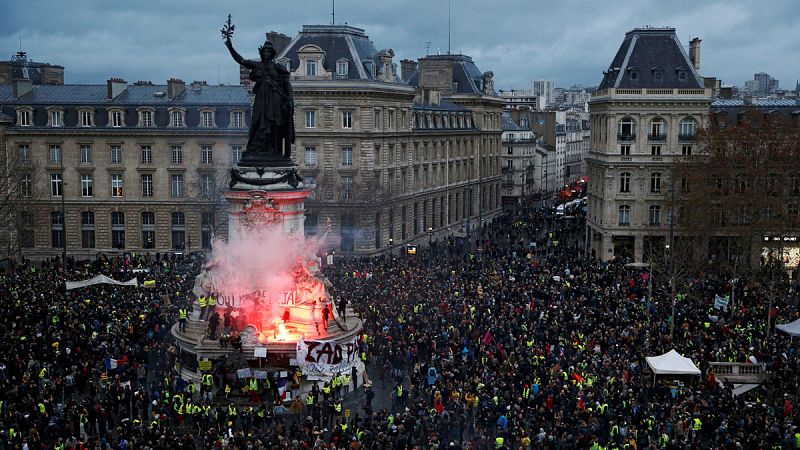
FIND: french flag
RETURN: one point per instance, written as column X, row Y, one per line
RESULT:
column 111, row 363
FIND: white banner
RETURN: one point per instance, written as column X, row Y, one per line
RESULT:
column 100, row 279
column 327, row 358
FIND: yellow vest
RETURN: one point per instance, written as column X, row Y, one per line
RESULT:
column 203, row 301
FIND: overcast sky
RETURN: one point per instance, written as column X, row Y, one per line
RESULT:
column 570, row 42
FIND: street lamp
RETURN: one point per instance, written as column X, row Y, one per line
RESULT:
column 391, row 246
column 430, row 236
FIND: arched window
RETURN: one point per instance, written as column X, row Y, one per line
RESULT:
column 688, row 126
column 658, row 130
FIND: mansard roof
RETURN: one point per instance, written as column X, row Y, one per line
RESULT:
column 651, row 58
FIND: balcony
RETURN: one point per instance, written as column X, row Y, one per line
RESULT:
column 686, row 137
column 507, row 140
column 657, row 137
column 626, row 137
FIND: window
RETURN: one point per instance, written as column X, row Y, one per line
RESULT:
column 87, row 185
column 55, row 154
column 687, row 129
column 686, row 150
column 147, row 185
column 624, row 215
column 118, row 229
column 25, row 184
column 311, row 68
column 56, row 185
column 87, row 118
column 208, row 119
column 24, row 153
column 310, row 225
column 146, row 118
column 116, row 154
column 116, row 119
column 56, row 118
column 311, row 119
column 347, row 156
column 116, row 185
column 310, row 182
column 626, row 130
column 86, row 154
column 341, row 68
column 391, row 119
column 510, row 151
column 177, row 118
column 655, row 183
column 206, row 185
column 207, row 226
column 625, row 182
column 347, row 119
column 684, row 184
column 27, row 235
column 148, row 229
column 310, row 158
column 87, row 229
column 206, row 154
column 655, row 150
column 347, row 187
column 655, row 215
column 177, row 185
column 238, row 119
column 347, row 232
column 236, row 153
column 178, row 230
column 24, row 117
column 147, row 154
column 177, row 154
column 56, row 229
column 658, row 130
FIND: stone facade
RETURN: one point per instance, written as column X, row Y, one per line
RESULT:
column 642, row 121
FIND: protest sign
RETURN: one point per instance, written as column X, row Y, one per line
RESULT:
column 326, row 358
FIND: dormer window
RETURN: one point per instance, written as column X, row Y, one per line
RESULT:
column 311, row 68
column 24, row 117
column 237, row 119
column 176, row 118
column 682, row 75
column 86, row 117
column 56, row 118
column 207, row 118
column 658, row 74
column 341, row 68
column 116, row 118
column 146, row 118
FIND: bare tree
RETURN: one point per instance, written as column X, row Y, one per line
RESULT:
column 208, row 194
column 743, row 187
column 16, row 184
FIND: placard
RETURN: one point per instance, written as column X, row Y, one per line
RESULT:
column 204, row 365
column 260, row 374
column 260, row 352
column 244, row 373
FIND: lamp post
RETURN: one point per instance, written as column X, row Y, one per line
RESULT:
column 671, row 248
column 63, row 217
column 391, row 246
column 430, row 236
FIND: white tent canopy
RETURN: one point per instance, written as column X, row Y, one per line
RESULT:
column 100, row 279
column 672, row 363
column 792, row 329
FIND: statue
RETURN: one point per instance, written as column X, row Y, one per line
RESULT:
column 272, row 125
column 488, row 83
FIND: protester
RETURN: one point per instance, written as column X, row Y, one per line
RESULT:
column 523, row 344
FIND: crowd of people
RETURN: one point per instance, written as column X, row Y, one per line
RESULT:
column 518, row 341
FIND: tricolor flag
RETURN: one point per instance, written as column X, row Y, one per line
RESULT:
column 111, row 363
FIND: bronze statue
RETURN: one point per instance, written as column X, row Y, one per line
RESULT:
column 272, row 124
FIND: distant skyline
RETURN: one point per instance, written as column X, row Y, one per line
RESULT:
column 569, row 42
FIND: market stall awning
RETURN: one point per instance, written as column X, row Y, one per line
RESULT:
column 672, row 363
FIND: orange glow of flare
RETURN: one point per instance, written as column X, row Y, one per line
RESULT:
column 282, row 333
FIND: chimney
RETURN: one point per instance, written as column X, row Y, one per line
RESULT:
column 694, row 52
column 22, row 86
column 407, row 68
column 175, row 87
column 116, row 86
